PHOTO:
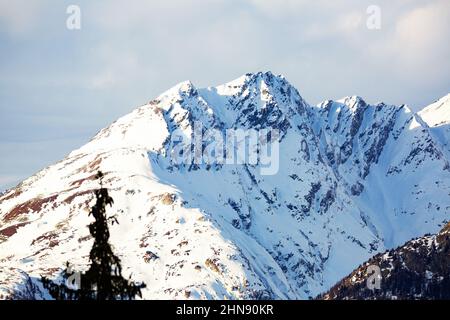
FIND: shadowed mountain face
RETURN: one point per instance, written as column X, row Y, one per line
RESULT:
column 353, row 179
column 420, row 269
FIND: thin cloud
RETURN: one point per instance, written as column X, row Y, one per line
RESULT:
column 126, row 53
column 20, row 17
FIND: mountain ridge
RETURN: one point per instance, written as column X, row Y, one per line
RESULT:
column 226, row 230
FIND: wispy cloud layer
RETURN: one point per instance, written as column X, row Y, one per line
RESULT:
column 127, row 52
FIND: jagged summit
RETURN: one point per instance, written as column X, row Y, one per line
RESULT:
column 352, row 101
column 256, row 79
column 185, row 87
column 352, row 179
column 355, row 103
column 250, row 77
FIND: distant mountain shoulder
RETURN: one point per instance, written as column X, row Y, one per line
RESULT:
column 420, row 269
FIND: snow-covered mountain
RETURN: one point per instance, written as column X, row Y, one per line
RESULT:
column 353, row 180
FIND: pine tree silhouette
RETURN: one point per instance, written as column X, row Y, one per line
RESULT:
column 103, row 280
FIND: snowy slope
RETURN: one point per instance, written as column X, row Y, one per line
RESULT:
column 354, row 179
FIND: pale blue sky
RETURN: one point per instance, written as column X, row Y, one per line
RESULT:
column 59, row 87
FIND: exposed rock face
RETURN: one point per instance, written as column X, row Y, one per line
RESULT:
column 354, row 179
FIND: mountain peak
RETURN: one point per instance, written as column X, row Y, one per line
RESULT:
column 263, row 75
column 185, row 87
column 257, row 78
column 353, row 102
